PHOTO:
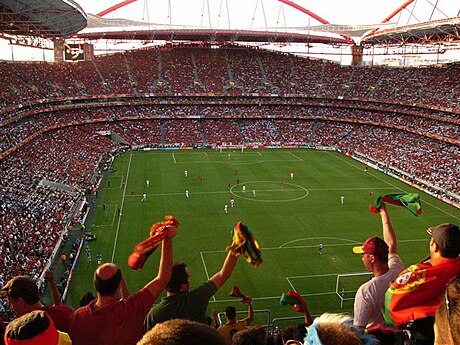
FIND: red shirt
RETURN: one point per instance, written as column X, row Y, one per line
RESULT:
column 60, row 315
column 118, row 323
column 417, row 291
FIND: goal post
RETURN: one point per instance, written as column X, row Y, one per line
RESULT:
column 347, row 284
column 224, row 146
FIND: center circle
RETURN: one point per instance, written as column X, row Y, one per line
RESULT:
column 263, row 189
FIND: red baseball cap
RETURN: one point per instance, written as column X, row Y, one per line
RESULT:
column 373, row 245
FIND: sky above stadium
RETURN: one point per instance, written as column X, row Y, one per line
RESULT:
column 263, row 13
column 242, row 12
column 269, row 15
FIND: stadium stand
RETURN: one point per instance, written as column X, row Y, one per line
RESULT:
column 56, row 119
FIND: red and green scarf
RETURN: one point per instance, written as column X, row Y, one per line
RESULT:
column 411, row 201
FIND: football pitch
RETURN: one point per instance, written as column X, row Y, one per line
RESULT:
column 289, row 218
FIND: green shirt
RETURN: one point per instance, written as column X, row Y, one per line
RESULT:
column 189, row 305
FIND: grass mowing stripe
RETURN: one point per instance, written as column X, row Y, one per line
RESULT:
column 394, row 186
column 121, row 209
column 283, row 246
column 206, row 271
column 297, row 227
column 260, row 190
column 298, row 158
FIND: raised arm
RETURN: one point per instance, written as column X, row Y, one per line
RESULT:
column 389, row 235
column 157, row 285
column 250, row 311
column 226, row 271
column 49, row 276
column 303, row 308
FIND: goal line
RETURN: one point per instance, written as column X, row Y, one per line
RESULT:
column 347, row 285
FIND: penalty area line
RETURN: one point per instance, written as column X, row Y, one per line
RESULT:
column 297, row 157
column 206, row 271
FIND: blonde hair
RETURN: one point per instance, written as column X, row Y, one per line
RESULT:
column 332, row 329
column 182, row 332
column 447, row 317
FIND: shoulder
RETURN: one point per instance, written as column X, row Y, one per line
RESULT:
column 209, row 286
column 82, row 311
column 364, row 288
column 224, row 327
column 395, row 262
column 140, row 302
column 241, row 324
column 64, row 309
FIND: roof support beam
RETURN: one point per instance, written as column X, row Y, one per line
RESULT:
column 311, row 14
column 115, row 7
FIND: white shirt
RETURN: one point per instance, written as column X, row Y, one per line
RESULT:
column 370, row 297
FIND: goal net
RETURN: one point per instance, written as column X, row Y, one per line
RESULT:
column 347, row 284
column 235, row 147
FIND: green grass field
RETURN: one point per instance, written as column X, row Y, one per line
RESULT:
column 288, row 221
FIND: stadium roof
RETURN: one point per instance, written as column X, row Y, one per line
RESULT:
column 439, row 31
column 212, row 35
column 410, row 21
column 44, row 18
column 418, row 22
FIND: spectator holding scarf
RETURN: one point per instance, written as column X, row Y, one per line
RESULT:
column 414, row 296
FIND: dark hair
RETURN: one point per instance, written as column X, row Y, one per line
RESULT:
column 179, row 276
column 21, row 287
column 182, row 332
column 294, row 333
column 382, row 257
column 86, row 298
column 251, row 336
column 230, row 312
column 451, row 253
column 107, row 287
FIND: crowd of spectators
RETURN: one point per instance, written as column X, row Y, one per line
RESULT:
column 64, row 145
column 181, row 70
column 208, row 125
column 33, row 215
column 429, row 160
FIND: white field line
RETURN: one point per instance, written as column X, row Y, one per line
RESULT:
column 396, row 187
column 241, row 162
column 292, row 286
column 206, row 271
column 121, row 209
column 259, row 190
column 316, row 245
column 277, row 297
column 298, row 158
column 174, row 158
